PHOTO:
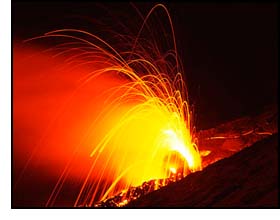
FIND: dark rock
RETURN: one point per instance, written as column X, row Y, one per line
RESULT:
column 230, row 137
column 249, row 178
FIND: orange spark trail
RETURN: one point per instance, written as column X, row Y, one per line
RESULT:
column 102, row 117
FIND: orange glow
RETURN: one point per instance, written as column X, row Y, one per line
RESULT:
column 112, row 122
column 173, row 170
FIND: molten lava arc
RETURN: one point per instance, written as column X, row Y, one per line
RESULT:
column 125, row 119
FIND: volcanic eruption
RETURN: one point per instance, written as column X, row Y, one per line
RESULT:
column 141, row 126
column 101, row 121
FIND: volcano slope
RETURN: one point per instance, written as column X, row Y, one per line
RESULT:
column 247, row 179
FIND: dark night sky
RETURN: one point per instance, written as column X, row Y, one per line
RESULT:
column 229, row 51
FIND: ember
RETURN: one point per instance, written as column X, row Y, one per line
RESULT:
column 133, row 193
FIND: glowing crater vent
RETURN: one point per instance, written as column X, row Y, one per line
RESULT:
column 147, row 142
column 184, row 147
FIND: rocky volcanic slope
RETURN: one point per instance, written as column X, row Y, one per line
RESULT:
column 249, row 178
column 230, row 137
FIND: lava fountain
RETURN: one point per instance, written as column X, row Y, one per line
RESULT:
column 123, row 119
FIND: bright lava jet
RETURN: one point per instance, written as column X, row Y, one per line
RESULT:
column 122, row 119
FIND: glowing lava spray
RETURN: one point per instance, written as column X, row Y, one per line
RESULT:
column 143, row 129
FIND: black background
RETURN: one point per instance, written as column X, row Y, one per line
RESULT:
column 229, row 51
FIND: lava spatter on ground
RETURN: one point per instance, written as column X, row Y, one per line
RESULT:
column 133, row 193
